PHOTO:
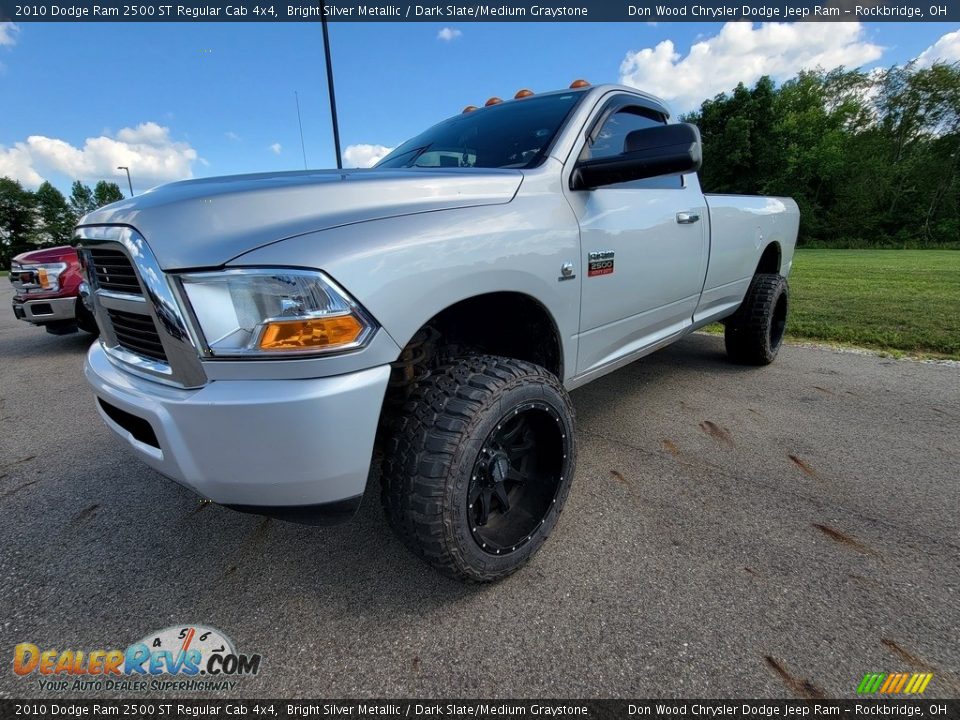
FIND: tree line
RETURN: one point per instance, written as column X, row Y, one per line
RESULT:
column 870, row 157
column 33, row 219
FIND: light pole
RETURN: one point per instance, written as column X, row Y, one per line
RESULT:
column 129, row 181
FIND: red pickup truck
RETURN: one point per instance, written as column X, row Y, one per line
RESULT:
column 50, row 287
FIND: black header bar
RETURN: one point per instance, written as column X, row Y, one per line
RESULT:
column 144, row 708
column 463, row 11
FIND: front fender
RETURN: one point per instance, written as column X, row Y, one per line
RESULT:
column 405, row 270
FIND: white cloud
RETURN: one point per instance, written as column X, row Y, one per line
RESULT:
column 8, row 33
column 448, row 34
column 231, row 135
column 148, row 150
column 743, row 52
column 946, row 49
column 15, row 163
column 277, row 148
column 364, row 156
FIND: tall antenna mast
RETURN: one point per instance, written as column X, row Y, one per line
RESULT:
column 303, row 148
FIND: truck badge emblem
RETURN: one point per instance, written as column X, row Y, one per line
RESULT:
column 600, row 263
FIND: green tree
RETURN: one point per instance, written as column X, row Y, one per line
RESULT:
column 818, row 114
column 106, row 192
column 56, row 219
column 81, row 199
column 17, row 219
column 739, row 132
column 872, row 159
column 919, row 116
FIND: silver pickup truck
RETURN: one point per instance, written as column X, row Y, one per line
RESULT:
column 262, row 335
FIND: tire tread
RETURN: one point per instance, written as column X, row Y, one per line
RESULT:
column 747, row 331
column 432, row 426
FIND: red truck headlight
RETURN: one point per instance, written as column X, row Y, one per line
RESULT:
column 43, row 276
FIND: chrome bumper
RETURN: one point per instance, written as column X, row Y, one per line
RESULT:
column 45, row 310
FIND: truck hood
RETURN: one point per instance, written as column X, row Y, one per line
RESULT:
column 206, row 223
column 62, row 253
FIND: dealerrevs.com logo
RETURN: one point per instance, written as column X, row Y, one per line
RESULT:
column 196, row 657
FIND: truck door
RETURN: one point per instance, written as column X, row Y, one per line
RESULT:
column 644, row 244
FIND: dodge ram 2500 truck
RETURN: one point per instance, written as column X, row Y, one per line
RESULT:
column 49, row 290
column 261, row 334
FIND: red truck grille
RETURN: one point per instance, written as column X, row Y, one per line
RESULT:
column 113, row 271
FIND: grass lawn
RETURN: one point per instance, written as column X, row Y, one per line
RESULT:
column 896, row 300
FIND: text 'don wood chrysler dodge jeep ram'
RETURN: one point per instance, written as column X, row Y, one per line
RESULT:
column 262, row 334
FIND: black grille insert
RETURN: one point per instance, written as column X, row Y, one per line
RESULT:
column 136, row 426
column 137, row 333
column 114, row 271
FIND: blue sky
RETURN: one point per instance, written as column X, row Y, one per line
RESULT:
column 173, row 100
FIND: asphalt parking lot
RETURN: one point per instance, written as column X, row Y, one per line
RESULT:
column 731, row 532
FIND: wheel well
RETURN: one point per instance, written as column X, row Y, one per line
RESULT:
column 770, row 260
column 508, row 324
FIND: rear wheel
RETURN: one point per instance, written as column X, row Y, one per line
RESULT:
column 479, row 465
column 755, row 332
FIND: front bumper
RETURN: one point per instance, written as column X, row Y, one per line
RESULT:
column 278, row 447
column 45, row 310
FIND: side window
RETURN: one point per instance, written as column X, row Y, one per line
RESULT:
column 609, row 140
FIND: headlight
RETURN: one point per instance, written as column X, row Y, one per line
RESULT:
column 274, row 312
column 45, row 276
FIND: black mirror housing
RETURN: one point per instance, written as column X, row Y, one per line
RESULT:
column 651, row 152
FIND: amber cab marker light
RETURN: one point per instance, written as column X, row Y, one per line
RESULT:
column 521, row 94
column 579, row 84
column 303, row 334
column 470, row 108
column 492, row 101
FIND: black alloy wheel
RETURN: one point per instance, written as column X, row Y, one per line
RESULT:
column 479, row 464
column 516, row 477
column 754, row 333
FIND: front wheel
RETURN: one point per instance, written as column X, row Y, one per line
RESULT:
column 85, row 320
column 479, row 465
column 755, row 332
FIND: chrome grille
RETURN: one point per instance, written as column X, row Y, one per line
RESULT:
column 141, row 323
column 137, row 333
column 16, row 276
column 113, row 271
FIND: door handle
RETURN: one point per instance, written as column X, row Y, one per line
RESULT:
column 686, row 218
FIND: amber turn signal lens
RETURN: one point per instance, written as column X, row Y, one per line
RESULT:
column 470, row 108
column 303, row 334
column 521, row 94
column 43, row 278
column 579, row 84
column 492, row 101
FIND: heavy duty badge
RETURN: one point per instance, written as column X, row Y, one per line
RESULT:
column 600, row 263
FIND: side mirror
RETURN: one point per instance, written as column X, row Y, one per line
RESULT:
column 652, row 152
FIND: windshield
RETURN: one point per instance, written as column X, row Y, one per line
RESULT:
column 510, row 135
